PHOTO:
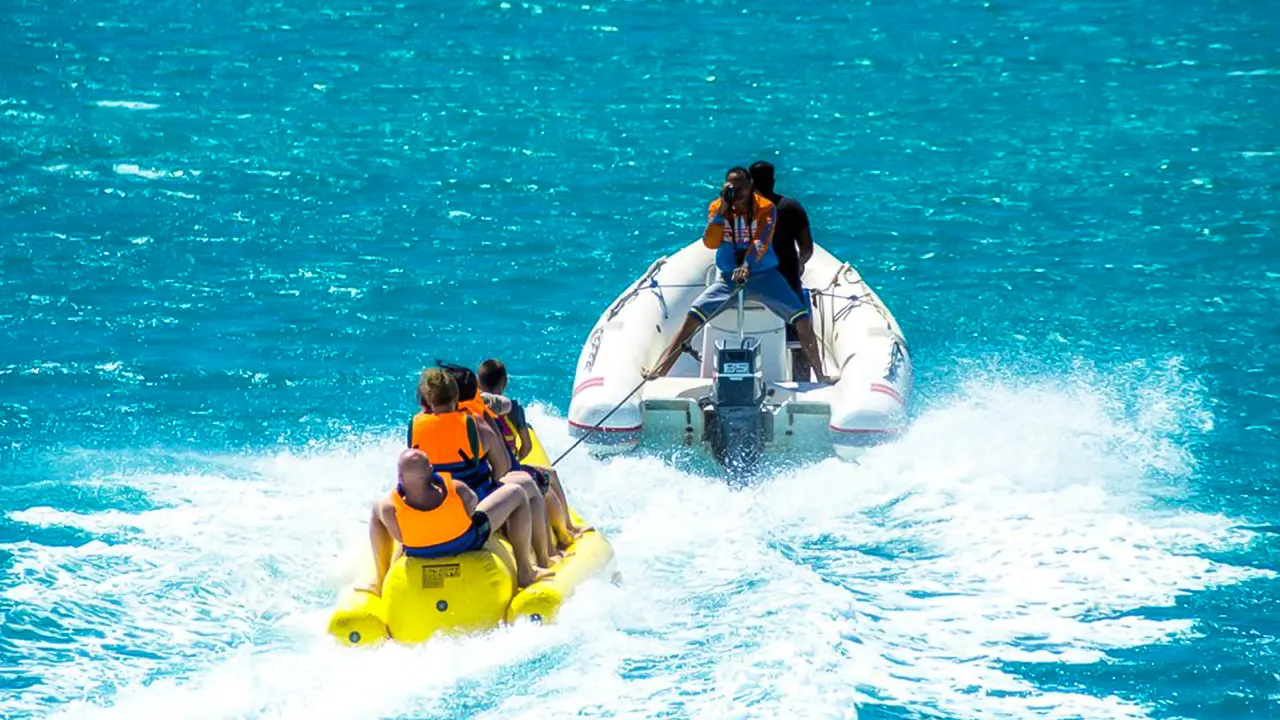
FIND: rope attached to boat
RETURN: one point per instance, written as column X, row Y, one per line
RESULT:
column 646, row 282
column 644, row 380
column 851, row 303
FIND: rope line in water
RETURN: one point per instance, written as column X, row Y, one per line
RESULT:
column 600, row 423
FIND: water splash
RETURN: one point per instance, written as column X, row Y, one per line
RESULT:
column 1018, row 521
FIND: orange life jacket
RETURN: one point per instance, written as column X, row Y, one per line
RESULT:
column 477, row 409
column 451, row 441
column 421, row 530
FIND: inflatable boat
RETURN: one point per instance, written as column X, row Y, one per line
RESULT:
column 737, row 389
column 471, row 592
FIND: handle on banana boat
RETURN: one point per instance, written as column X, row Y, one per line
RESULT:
column 599, row 424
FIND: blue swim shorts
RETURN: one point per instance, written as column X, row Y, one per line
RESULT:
column 766, row 286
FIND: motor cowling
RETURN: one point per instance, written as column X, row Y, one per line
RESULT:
column 738, row 425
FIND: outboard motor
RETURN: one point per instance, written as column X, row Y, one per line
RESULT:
column 737, row 423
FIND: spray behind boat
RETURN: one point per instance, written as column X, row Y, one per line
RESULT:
column 737, row 423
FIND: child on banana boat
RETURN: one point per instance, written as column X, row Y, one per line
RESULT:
column 492, row 375
column 514, row 429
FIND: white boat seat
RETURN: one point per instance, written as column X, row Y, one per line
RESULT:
column 758, row 322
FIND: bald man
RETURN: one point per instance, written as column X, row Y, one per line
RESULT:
column 432, row 515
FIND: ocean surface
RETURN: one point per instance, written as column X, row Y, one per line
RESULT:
column 231, row 235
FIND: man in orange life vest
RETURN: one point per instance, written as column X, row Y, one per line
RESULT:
column 433, row 515
column 514, row 429
column 462, row 444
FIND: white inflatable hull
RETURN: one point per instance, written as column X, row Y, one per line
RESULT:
column 861, row 344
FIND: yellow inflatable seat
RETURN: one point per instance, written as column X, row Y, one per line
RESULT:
column 469, row 592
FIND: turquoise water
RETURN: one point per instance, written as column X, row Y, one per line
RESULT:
column 232, row 235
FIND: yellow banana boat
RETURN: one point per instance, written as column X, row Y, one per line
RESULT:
column 466, row 593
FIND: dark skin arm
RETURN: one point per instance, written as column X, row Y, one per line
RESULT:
column 806, row 247
column 805, row 242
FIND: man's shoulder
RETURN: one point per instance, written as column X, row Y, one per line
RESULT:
column 786, row 202
column 790, row 210
column 384, row 506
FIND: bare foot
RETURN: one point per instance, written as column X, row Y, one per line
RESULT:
column 661, row 369
column 538, row 574
column 578, row 532
column 370, row 588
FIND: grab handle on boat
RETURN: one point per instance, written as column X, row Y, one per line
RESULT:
column 741, row 301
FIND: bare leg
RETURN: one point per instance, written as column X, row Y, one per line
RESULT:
column 556, row 514
column 800, row 365
column 808, row 341
column 507, row 506
column 563, row 531
column 542, row 547
column 382, row 543
column 574, row 531
column 668, row 358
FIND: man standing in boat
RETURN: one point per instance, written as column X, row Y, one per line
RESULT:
column 740, row 229
column 792, row 243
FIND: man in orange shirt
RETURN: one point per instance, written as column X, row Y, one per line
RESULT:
column 740, row 230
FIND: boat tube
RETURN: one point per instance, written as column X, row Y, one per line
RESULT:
column 737, row 391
